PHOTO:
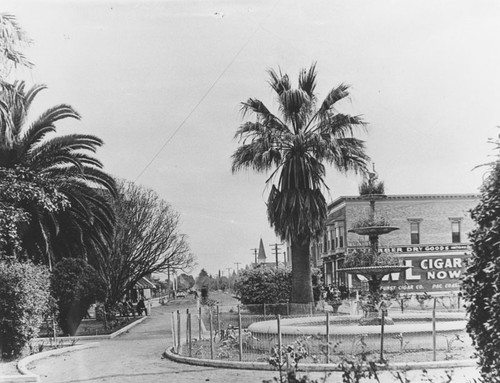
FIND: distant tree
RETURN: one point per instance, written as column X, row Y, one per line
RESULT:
column 223, row 283
column 296, row 145
column 185, row 282
column 203, row 279
column 75, row 286
column 147, row 240
column 203, row 273
column 482, row 280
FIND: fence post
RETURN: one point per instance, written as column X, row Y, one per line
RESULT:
column 211, row 335
column 280, row 361
column 327, row 337
column 173, row 330
column 402, row 306
column 199, row 323
column 240, row 341
column 382, row 328
column 264, row 311
column 188, row 318
column 218, row 320
column 287, row 309
column 179, row 346
column 190, row 338
column 434, row 331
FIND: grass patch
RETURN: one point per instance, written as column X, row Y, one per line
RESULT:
column 89, row 327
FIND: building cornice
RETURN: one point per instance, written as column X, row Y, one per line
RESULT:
column 401, row 197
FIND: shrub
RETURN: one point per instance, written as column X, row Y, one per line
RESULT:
column 25, row 292
column 271, row 286
column 482, row 279
column 75, row 286
column 264, row 285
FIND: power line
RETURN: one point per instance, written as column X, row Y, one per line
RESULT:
column 204, row 95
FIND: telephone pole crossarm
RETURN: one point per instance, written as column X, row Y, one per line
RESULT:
column 276, row 251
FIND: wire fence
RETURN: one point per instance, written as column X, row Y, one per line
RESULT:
column 428, row 330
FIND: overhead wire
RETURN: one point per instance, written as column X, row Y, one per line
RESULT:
column 207, row 92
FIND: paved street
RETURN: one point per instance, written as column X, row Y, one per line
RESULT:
column 137, row 356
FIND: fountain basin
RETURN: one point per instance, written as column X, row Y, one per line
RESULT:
column 373, row 230
column 413, row 329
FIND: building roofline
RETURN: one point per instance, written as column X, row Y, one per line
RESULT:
column 399, row 197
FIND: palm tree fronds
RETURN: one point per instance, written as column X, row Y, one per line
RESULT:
column 254, row 156
column 279, row 81
column 72, row 214
column 335, row 95
column 307, row 81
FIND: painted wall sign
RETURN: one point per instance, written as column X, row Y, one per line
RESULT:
column 429, row 273
column 423, row 248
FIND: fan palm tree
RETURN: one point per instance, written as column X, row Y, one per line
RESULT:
column 296, row 146
column 78, row 221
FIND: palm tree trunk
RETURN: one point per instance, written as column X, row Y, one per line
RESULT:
column 301, row 273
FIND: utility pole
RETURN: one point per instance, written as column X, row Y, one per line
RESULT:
column 255, row 251
column 276, row 252
column 237, row 267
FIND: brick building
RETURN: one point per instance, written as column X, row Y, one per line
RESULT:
column 432, row 239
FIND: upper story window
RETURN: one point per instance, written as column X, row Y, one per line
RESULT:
column 414, row 231
column 341, row 236
column 455, row 231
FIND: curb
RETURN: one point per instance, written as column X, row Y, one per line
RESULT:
column 315, row 367
column 101, row 337
column 127, row 327
column 218, row 363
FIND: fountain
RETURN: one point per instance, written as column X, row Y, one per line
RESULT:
column 369, row 262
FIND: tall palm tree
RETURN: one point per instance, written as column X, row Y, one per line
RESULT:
column 12, row 39
column 80, row 222
column 296, row 146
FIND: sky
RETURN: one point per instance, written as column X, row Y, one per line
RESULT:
column 161, row 82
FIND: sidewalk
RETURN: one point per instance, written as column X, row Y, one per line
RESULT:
column 137, row 356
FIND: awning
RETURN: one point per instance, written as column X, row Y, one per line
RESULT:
column 144, row 284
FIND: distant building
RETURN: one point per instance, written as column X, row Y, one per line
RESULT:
column 144, row 288
column 432, row 239
column 262, row 258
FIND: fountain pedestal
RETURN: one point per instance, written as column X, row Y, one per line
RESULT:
column 374, row 274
